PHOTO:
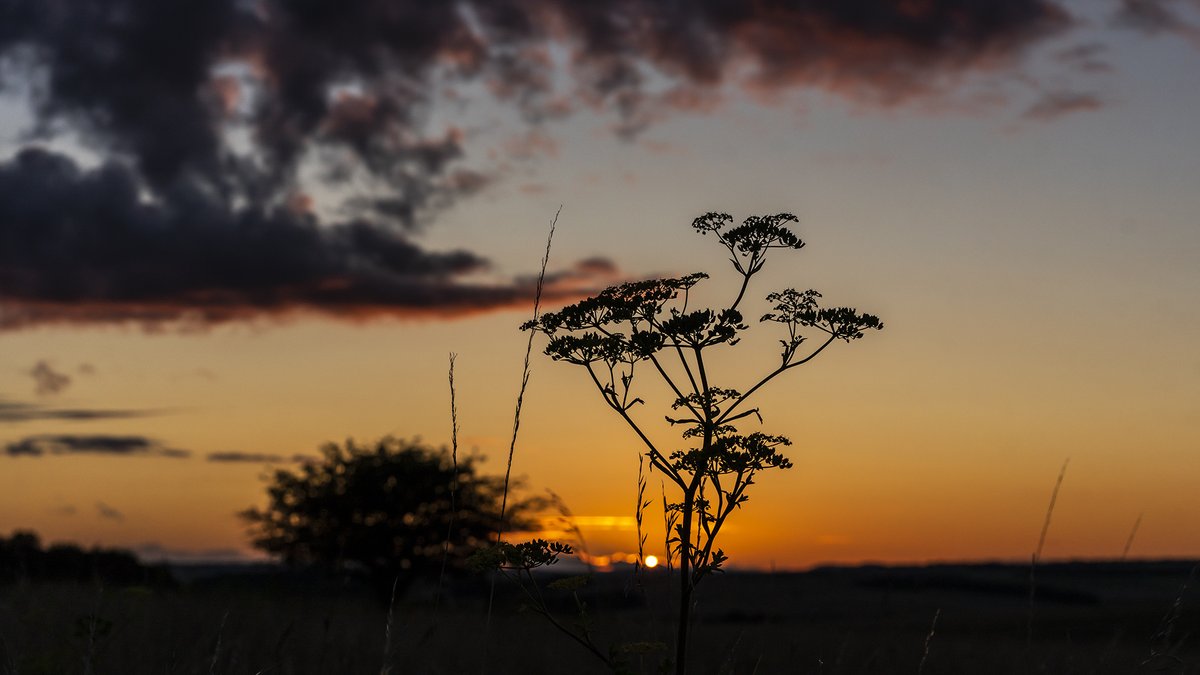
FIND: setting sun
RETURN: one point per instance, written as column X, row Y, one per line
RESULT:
column 651, row 561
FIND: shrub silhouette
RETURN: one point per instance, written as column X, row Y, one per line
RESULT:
column 383, row 510
column 22, row 557
column 647, row 327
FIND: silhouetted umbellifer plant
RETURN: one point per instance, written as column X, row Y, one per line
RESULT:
column 619, row 334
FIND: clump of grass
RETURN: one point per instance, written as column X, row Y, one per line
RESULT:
column 1162, row 643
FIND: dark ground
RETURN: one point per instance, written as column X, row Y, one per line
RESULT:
column 1087, row 618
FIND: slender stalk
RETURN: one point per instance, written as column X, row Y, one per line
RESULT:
column 386, row 669
column 537, row 302
column 741, row 291
column 1129, row 542
column 512, row 445
column 639, row 514
column 212, row 666
column 1037, row 556
column 928, row 640
column 685, row 585
column 453, row 483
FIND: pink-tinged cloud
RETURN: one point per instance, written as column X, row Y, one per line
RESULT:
column 82, row 247
column 184, row 222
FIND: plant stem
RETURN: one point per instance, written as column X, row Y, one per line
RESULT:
column 685, row 585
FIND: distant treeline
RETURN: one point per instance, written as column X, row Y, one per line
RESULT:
column 22, row 558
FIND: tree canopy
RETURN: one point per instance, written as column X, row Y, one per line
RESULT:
column 394, row 509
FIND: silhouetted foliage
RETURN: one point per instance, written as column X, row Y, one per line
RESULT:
column 650, row 324
column 23, row 558
column 382, row 510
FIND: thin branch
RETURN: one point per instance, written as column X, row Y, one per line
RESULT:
column 655, row 456
column 741, row 399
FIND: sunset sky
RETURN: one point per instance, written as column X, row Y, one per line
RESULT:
column 249, row 227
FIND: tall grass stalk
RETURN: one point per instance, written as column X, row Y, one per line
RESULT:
column 437, row 601
column 1036, row 558
column 1160, row 643
column 928, row 641
column 1129, row 542
column 639, row 515
column 512, row 446
column 670, row 520
column 537, row 306
column 212, row 666
column 386, row 668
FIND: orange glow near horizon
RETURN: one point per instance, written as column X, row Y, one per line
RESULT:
column 1037, row 277
column 916, row 467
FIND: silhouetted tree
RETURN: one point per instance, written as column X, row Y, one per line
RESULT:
column 386, row 510
column 22, row 557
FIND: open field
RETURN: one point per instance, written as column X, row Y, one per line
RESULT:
column 1088, row 618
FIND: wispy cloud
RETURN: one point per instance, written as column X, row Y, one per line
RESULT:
column 93, row 444
column 1055, row 104
column 109, row 513
column 47, row 380
column 1154, row 17
column 255, row 457
column 20, row 411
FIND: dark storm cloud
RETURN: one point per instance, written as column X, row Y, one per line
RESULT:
column 92, row 444
column 882, row 50
column 18, row 411
column 81, row 245
column 202, row 112
column 47, row 380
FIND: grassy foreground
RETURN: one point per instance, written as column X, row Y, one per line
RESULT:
column 1088, row 618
